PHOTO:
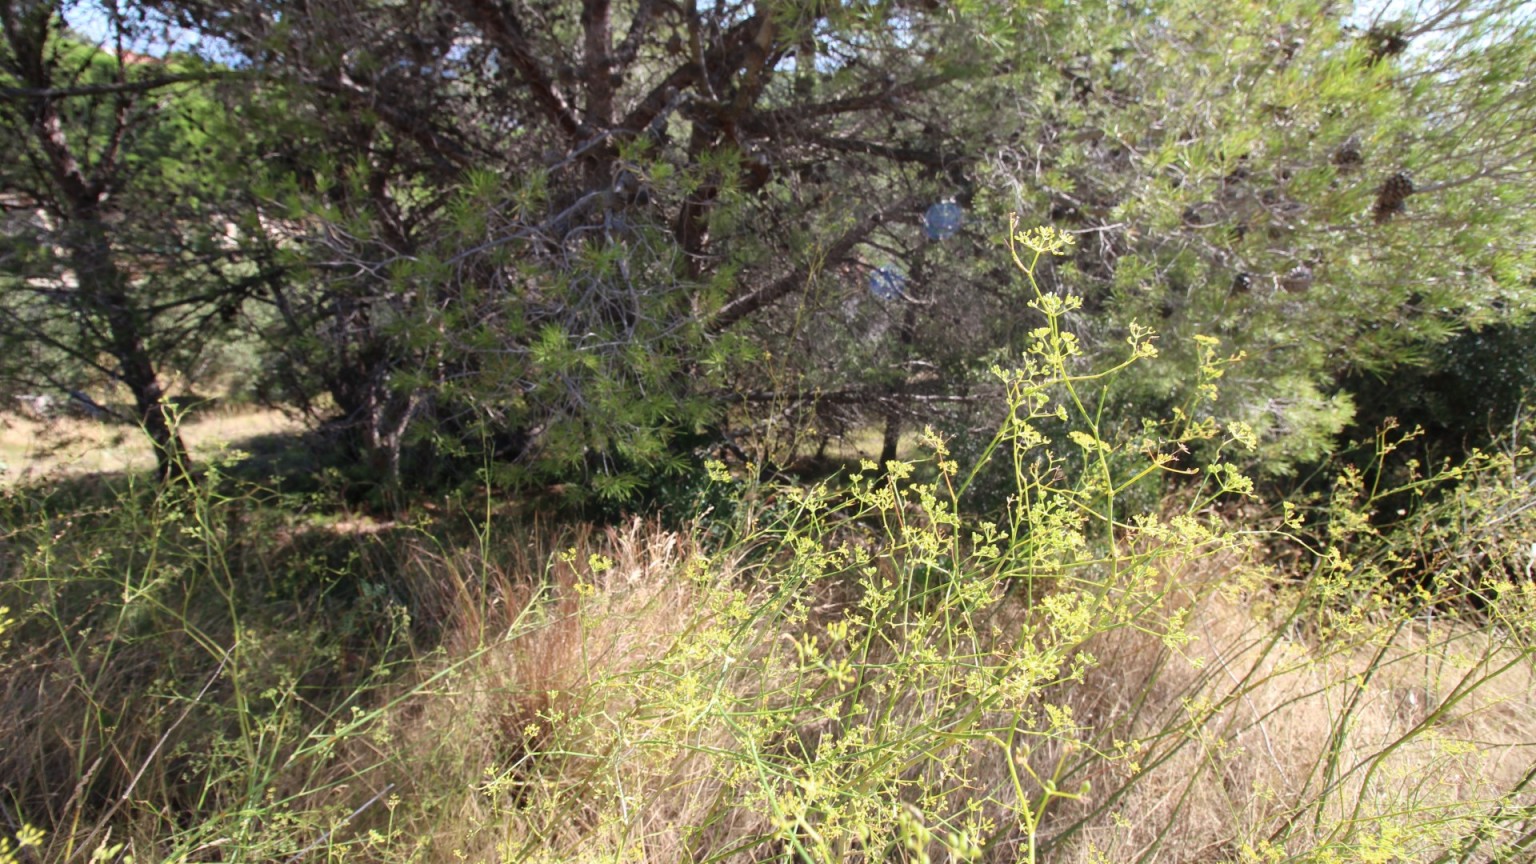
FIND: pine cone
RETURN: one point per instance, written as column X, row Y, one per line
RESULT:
column 1385, row 41
column 1297, row 280
column 1392, row 198
column 1348, row 155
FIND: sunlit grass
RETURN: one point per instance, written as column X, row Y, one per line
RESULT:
column 31, row 449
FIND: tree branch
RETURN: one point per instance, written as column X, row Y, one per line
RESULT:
column 754, row 65
column 848, row 396
column 645, row 13
column 121, row 87
column 597, row 38
column 439, row 146
column 661, row 96
column 505, row 31
column 931, row 158
column 750, row 303
column 776, row 121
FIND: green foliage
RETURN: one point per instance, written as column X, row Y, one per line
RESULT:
column 1475, row 389
column 150, row 632
column 171, row 173
column 1225, row 165
column 123, row 263
column 863, row 672
column 589, row 255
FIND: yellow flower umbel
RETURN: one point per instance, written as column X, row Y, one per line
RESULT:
column 28, row 836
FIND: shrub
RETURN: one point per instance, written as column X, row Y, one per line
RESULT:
column 862, row 672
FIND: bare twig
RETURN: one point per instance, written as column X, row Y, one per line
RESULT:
column 154, row 751
column 120, row 87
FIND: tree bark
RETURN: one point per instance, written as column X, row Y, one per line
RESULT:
column 103, row 290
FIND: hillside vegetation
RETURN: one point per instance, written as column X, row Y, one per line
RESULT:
column 834, row 672
column 795, row 431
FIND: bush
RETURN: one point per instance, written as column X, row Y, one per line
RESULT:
column 1474, row 390
column 863, row 673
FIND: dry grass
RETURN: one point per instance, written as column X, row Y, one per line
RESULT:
column 35, row 449
column 1257, row 741
column 575, row 708
column 843, row 684
column 553, row 743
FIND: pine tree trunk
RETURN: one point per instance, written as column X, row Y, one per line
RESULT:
column 104, row 291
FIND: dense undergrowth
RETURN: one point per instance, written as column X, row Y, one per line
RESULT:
column 852, row 671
